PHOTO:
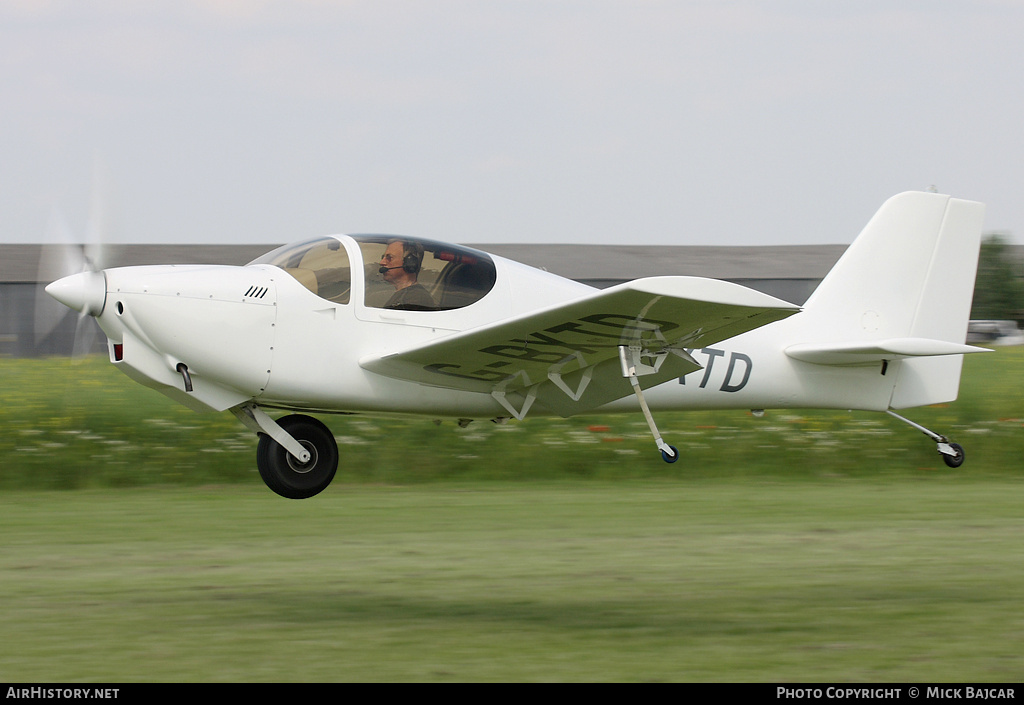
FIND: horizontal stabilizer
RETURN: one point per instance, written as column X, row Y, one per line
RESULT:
column 865, row 353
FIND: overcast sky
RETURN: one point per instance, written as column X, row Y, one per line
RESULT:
column 639, row 122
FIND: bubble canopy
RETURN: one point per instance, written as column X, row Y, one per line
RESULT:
column 398, row 272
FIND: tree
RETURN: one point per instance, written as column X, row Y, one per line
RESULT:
column 998, row 291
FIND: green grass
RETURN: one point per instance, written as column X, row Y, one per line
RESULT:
column 802, row 546
column 80, row 425
column 779, row 580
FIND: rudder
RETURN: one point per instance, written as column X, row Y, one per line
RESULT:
column 944, row 308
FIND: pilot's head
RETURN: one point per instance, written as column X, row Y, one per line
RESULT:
column 401, row 262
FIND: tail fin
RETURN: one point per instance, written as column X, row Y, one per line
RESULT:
column 902, row 292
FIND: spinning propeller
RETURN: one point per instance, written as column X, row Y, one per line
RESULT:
column 71, row 273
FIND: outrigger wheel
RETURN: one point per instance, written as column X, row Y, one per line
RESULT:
column 956, row 459
column 952, row 453
column 286, row 475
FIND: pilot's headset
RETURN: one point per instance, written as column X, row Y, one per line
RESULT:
column 412, row 260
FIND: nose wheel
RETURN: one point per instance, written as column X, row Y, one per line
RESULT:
column 289, row 476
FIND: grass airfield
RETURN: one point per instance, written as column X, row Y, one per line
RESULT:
column 637, row 581
column 140, row 545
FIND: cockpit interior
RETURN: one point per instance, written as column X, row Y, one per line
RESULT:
column 453, row 276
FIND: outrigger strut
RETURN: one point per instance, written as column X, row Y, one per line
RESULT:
column 632, row 366
column 952, row 453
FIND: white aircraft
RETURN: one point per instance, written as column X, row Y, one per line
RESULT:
column 385, row 325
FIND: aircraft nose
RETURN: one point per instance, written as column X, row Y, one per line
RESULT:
column 85, row 292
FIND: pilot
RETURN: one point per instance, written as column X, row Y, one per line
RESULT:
column 400, row 267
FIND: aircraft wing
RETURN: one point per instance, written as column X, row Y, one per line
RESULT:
column 566, row 357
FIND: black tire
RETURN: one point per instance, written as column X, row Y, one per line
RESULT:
column 954, row 461
column 670, row 458
column 287, row 476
